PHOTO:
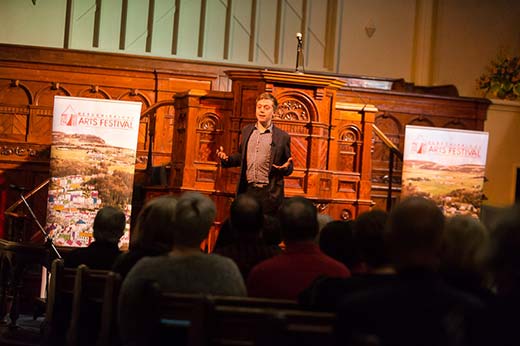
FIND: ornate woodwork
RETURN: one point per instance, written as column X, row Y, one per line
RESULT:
column 339, row 163
column 397, row 109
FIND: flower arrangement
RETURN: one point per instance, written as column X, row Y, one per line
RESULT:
column 502, row 78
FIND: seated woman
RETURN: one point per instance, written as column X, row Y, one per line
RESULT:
column 152, row 234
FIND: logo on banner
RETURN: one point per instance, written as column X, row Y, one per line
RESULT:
column 72, row 118
column 69, row 117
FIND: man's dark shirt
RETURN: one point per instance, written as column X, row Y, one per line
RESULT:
column 98, row 255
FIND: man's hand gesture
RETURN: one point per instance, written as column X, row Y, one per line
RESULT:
column 221, row 154
column 285, row 166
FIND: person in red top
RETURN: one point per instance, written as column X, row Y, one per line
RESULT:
column 286, row 275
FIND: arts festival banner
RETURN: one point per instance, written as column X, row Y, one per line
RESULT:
column 447, row 166
column 92, row 163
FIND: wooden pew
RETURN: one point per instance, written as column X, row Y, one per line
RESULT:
column 198, row 320
column 109, row 333
column 93, row 295
column 81, row 306
column 59, row 303
column 247, row 326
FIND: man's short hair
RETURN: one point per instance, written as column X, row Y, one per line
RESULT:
column 109, row 224
column 246, row 214
column 268, row 96
column 369, row 237
column 298, row 219
column 194, row 217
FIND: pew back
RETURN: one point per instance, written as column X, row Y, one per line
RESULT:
column 59, row 302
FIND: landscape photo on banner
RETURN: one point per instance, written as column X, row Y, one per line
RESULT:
column 92, row 165
column 447, row 166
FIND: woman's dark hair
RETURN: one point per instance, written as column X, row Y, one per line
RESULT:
column 154, row 226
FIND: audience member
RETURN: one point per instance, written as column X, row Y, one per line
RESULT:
column 374, row 267
column 109, row 226
column 502, row 316
column 226, row 235
column 247, row 218
column 185, row 269
column 417, row 308
column 464, row 251
column 272, row 231
column 286, row 275
column 336, row 241
column 369, row 237
column 152, row 234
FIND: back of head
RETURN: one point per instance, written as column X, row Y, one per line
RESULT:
column 246, row 215
column 464, row 248
column 505, row 250
column 109, row 225
column 298, row 219
column 369, row 237
column 271, row 230
column 194, row 216
column 414, row 233
column 337, row 242
column 154, row 226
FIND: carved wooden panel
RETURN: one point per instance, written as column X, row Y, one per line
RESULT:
column 329, row 146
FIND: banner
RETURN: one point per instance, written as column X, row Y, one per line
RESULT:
column 92, row 163
column 447, row 166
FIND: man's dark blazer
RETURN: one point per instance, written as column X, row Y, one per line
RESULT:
column 280, row 153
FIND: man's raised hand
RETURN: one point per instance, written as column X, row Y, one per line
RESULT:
column 221, row 154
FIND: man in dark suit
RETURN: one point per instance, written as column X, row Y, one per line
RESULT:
column 109, row 226
column 264, row 157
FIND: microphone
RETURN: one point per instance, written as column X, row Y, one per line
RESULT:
column 299, row 54
column 17, row 187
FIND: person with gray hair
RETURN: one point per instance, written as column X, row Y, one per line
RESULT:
column 463, row 256
column 185, row 269
column 108, row 227
column 501, row 325
column 194, row 217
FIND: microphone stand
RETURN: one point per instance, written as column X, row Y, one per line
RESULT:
column 48, row 240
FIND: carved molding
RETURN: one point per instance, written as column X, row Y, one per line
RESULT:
column 95, row 89
column 27, row 151
column 292, row 110
column 422, row 121
column 209, row 122
column 134, row 94
column 15, row 83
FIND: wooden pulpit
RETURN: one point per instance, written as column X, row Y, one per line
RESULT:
column 330, row 140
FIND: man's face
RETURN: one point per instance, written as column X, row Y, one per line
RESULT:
column 264, row 111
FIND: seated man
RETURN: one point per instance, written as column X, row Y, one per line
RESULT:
column 249, row 249
column 109, row 226
column 286, row 275
column 185, row 269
